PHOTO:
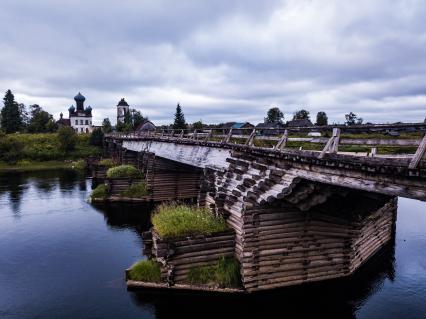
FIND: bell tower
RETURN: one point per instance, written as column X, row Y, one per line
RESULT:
column 122, row 109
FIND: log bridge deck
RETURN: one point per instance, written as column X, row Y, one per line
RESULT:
column 298, row 216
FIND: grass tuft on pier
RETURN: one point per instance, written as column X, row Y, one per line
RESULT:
column 173, row 220
column 135, row 191
column 123, row 171
column 107, row 162
column 145, row 270
column 225, row 273
column 100, row 192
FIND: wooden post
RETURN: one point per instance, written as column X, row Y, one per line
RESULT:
column 181, row 135
column 250, row 140
column 420, row 153
column 282, row 142
column 373, row 151
column 332, row 144
column 209, row 134
column 228, row 137
column 194, row 135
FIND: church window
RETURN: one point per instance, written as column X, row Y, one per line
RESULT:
column 76, row 122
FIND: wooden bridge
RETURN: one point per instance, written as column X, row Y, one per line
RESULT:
column 303, row 208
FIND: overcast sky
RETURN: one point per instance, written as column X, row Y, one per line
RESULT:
column 221, row 60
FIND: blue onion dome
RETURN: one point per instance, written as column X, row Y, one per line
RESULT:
column 71, row 108
column 79, row 97
column 89, row 108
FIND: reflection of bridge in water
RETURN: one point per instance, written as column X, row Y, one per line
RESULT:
column 298, row 215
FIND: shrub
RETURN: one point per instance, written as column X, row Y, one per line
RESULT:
column 145, row 270
column 100, row 192
column 10, row 149
column 136, row 191
column 225, row 273
column 171, row 220
column 67, row 138
column 97, row 137
column 124, row 171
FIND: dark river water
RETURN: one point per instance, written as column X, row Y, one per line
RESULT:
column 61, row 257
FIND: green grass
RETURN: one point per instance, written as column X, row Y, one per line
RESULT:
column 107, row 162
column 225, row 273
column 145, row 270
column 30, row 166
column 172, row 220
column 123, row 171
column 45, row 147
column 136, row 191
column 79, row 165
column 100, row 192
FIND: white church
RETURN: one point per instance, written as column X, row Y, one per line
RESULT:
column 80, row 118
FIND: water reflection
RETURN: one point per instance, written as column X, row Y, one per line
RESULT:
column 61, row 238
column 121, row 216
column 332, row 299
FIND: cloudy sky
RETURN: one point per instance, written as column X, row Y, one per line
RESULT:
column 223, row 60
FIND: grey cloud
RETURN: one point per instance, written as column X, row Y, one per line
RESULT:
column 222, row 60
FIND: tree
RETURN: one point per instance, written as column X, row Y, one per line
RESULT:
column 353, row 119
column 179, row 123
column 97, row 137
column 40, row 120
column 127, row 125
column 322, row 119
column 11, row 120
column 106, row 126
column 197, row 125
column 67, row 138
column 274, row 115
column 137, row 119
column 301, row 115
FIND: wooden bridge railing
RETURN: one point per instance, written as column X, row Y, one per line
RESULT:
column 371, row 136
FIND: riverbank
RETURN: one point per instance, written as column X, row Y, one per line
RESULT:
column 32, row 166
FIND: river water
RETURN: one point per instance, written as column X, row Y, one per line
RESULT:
column 61, row 257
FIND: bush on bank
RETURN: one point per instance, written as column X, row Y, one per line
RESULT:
column 43, row 147
column 145, row 270
column 172, row 220
column 100, row 192
column 124, row 171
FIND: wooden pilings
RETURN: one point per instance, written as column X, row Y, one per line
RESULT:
column 179, row 255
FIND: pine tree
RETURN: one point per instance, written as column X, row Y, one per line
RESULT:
column 11, row 120
column 179, row 123
column 322, row 119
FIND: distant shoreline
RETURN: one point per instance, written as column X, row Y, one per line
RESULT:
column 33, row 166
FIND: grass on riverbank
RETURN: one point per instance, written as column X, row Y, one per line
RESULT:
column 30, row 166
column 145, row 270
column 45, row 147
column 225, row 273
column 135, row 191
column 172, row 220
column 124, row 171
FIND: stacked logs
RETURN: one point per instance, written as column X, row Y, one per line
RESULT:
column 178, row 255
column 117, row 185
column 284, row 246
column 290, row 231
column 98, row 171
column 168, row 180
